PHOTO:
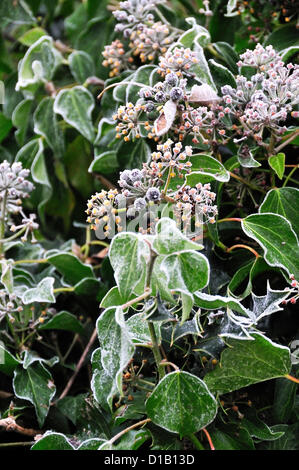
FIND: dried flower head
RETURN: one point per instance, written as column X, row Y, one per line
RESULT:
column 9, row 305
column 14, row 186
column 261, row 58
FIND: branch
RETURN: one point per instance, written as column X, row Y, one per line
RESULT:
column 9, row 424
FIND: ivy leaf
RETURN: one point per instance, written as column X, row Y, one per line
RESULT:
column 248, row 362
column 116, row 348
column 221, row 75
column 53, row 441
column 128, row 253
column 139, row 331
column 63, row 321
column 181, row 403
column 46, row 124
column 285, row 202
column 284, row 400
column 43, row 292
column 267, row 304
column 21, row 118
column 81, row 65
column 18, row 13
column 38, row 64
column 277, row 163
column 276, row 236
column 75, row 106
column 186, row 271
column 208, row 166
column 169, row 239
column 215, row 302
column 71, row 267
column 8, row 362
column 105, row 163
column 257, row 428
column 36, row 385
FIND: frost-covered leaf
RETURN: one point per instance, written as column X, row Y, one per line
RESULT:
column 196, row 33
column 164, row 122
column 7, row 275
column 207, row 166
column 215, row 302
column 36, row 385
column 46, row 124
column 17, row 13
column 181, row 403
column 38, row 64
column 105, row 163
column 139, row 331
column 8, row 362
column 276, row 236
column 81, row 65
column 247, row 362
column 169, row 239
column 21, row 119
column 264, row 305
column 221, row 75
column 190, row 327
column 75, row 106
column 53, row 441
column 116, row 349
column 186, row 271
column 285, row 202
column 43, row 292
column 128, row 254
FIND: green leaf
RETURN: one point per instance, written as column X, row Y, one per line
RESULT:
column 132, row 440
column 75, row 106
column 257, row 428
column 277, row 163
column 8, row 362
column 112, row 298
column 116, row 349
column 35, row 384
column 128, row 253
column 196, row 33
column 81, row 65
column 276, row 236
column 7, row 275
column 247, row 362
column 18, row 13
column 63, row 321
column 38, row 64
column 208, row 166
column 221, row 75
column 181, row 403
column 42, row 293
column 105, row 163
column 229, row 441
column 72, row 407
column 283, row 38
column 284, row 400
column 139, row 331
column 5, row 127
column 53, row 441
column 21, row 118
column 46, row 124
column 215, row 302
column 186, row 271
column 31, row 36
column 70, row 267
column 285, row 202
column 289, row 440
column 169, row 239
column 228, row 54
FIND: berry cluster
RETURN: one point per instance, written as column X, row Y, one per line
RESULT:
column 128, row 124
column 198, row 202
column 14, row 186
column 116, row 58
column 175, row 159
column 179, row 61
column 102, row 210
column 133, row 14
column 8, row 305
column 150, row 42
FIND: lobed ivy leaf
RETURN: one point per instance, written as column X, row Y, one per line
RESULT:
column 43, row 292
column 285, row 202
column 81, row 65
column 247, row 362
column 208, row 166
column 75, row 105
column 169, row 239
column 71, row 267
column 63, row 321
column 181, row 403
column 276, row 236
column 46, row 124
column 128, row 254
column 36, row 385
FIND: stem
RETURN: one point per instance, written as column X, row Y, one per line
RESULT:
column 293, row 379
column 167, row 363
column 245, row 247
column 289, row 176
column 16, row 444
column 209, row 439
column 156, row 350
column 63, row 289
column 15, row 235
column 197, row 444
column 30, row 261
column 79, row 365
column 121, row 433
column 239, row 178
column 167, row 181
column 288, row 141
column 213, row 51
column 143, row 296
column 229, row 219
column 2, row 222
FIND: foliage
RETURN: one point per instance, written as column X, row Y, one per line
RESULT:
column 165, row 318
